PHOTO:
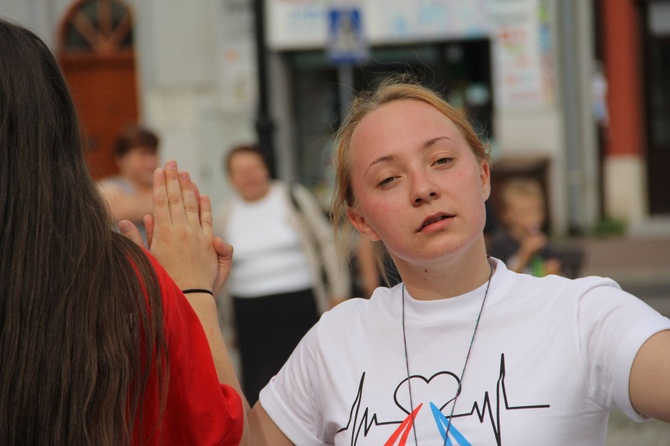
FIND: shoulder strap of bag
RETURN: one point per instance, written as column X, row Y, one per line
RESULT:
column 315, row 240
column 294, row 199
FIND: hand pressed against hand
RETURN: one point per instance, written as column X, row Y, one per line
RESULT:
column 181, row 238
column 180, row 233
column 148, row 221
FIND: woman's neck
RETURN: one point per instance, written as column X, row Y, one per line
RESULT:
column 449, row 278
column 258, row 195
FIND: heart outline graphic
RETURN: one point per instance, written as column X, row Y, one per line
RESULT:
column 441, row 387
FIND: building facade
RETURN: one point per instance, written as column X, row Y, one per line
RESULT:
column 569, row 91
column 635, row 48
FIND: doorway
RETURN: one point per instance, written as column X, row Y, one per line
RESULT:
column 95, row 52
column 657, row 104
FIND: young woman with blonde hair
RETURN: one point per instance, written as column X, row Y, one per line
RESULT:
column 463, row 351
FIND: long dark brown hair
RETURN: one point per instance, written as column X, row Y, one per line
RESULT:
column 81, row 320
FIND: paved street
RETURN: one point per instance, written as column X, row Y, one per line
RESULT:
column 640, row 265
column 622, row 431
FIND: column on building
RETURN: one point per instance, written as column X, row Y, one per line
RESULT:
column 624, row 167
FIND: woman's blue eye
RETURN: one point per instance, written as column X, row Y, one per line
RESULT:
column 386, row 181
column 443, row 160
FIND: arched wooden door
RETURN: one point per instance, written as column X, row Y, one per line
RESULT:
column 96, row 54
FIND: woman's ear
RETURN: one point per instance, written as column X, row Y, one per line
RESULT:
column 485, row 176
column 362, row 226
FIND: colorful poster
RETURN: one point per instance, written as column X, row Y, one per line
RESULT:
column 296, row 24
column 522, row 54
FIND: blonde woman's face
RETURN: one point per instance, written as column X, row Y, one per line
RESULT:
column 418, row 186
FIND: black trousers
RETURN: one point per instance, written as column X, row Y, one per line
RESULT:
column 268, row 329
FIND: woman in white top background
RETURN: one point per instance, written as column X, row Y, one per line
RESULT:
column 283, row 249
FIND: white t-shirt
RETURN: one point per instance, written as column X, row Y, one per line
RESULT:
column 268, row 254
column 551, row 357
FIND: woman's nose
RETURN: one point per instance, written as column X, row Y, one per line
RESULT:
column 424, row 190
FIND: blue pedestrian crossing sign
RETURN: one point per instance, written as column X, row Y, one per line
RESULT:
column 346, row 41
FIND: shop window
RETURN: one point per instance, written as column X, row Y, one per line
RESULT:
column 461, row 70
column 657, row 98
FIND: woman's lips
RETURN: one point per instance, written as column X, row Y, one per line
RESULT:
column 434, row 221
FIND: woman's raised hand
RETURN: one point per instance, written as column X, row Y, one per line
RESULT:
column 180, row 233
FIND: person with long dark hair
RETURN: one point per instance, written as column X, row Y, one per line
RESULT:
column 98, row 345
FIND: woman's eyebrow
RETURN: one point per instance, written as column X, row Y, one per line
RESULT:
column 424, row 146
column 432, row 141
column 381, row 159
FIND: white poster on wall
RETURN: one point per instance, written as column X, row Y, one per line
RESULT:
column 296, row 24
column 522, row 54
column 238, row 81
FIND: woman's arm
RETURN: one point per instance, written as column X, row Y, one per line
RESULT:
column 264, row 432
column 649, row 384
column 125, row 206
column 182, row 240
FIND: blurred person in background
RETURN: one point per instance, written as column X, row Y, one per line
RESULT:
column 284, row 273
column 520, row 241
column 128, row 194
column 98, row 345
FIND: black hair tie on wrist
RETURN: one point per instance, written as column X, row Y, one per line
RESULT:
column 197, row 290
